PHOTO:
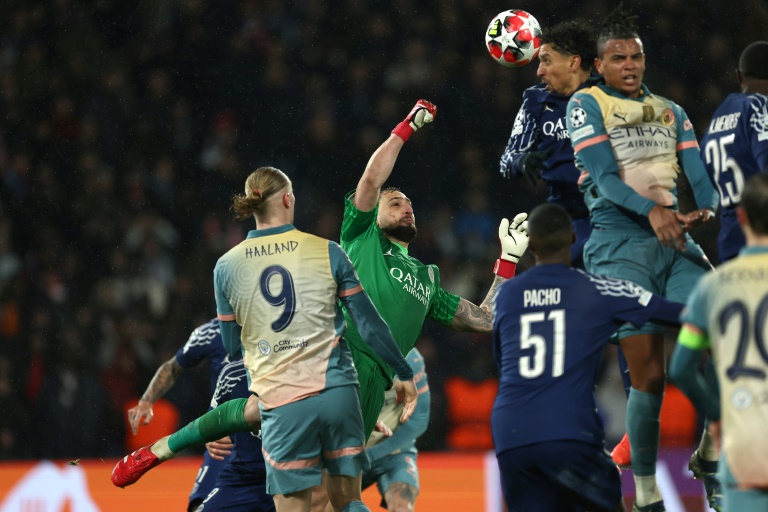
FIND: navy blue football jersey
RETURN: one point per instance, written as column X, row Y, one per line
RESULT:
column 735, row 148
column 204, row 343
column 246, row 461
column 550, row 327
column 539, row 126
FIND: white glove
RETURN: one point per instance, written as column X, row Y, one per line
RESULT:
column 514, row 241
column 423, row 112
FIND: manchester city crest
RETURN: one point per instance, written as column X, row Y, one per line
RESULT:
column 667, row 117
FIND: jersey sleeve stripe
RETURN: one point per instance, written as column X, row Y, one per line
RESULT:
column 688, row 144
column 350, row 291
column 225, row 318
column 590, row 142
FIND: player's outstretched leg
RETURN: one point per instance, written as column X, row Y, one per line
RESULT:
column 645, row 356
column 229, row 417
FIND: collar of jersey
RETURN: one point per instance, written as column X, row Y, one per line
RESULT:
column 615, row 92
column 757, row 249
column 256, row 233
column 399, row 247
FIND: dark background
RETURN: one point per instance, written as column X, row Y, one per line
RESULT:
column 125, row 128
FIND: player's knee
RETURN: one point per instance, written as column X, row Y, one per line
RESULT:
column 651, row 379
column 252, row 414
column 655, row 384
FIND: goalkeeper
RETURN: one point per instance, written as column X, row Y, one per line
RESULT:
column 377, row 228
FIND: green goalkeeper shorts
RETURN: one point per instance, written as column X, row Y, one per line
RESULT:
column 373, row 384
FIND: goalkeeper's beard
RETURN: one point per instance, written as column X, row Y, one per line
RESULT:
column 404, row 234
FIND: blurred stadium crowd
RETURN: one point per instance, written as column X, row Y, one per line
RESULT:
column 125, row 128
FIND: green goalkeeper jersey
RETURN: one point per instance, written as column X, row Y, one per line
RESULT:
column 403, row 289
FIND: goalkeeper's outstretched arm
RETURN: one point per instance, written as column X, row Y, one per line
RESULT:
column 513, row 237
column 382, row 161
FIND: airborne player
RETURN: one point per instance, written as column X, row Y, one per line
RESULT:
column 631, row 145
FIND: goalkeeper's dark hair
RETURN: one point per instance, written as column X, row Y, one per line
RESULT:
column 621, row 23
column 574, row 37
column 754, row 201
column 388, row 190
column 753, row 62
column 262, row 184
column 550, row 230
column 391, row 189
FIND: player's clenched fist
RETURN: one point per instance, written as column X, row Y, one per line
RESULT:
column 514, row 241
column 422, row 113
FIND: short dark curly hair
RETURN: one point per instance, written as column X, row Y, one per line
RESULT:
column 753, row 61
column 574, row 37
column 621, row 23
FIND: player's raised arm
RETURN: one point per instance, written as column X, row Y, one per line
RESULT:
column 383, row 159
column 513, row 237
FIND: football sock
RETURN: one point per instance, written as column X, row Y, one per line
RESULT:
column 355, row 506
column 643, row 428
column 225, row 419
column 646, row 490
column 624, row 370
column 160, row 448
column 707, row 450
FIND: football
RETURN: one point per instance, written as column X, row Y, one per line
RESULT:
column 513, row 38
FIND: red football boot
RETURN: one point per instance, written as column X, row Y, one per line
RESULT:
column 130, row 468
column 621, row 454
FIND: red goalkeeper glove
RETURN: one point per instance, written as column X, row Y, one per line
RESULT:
column 422, row 113
column 514, row 241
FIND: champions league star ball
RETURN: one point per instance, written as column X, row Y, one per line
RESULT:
column 513, row 38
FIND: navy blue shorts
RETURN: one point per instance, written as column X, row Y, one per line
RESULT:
column 205, row 479
column 559, row 476
column 238, row 494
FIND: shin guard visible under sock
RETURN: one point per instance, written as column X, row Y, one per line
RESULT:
column 643, row 411
column 227, row 418
column 355, row 506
